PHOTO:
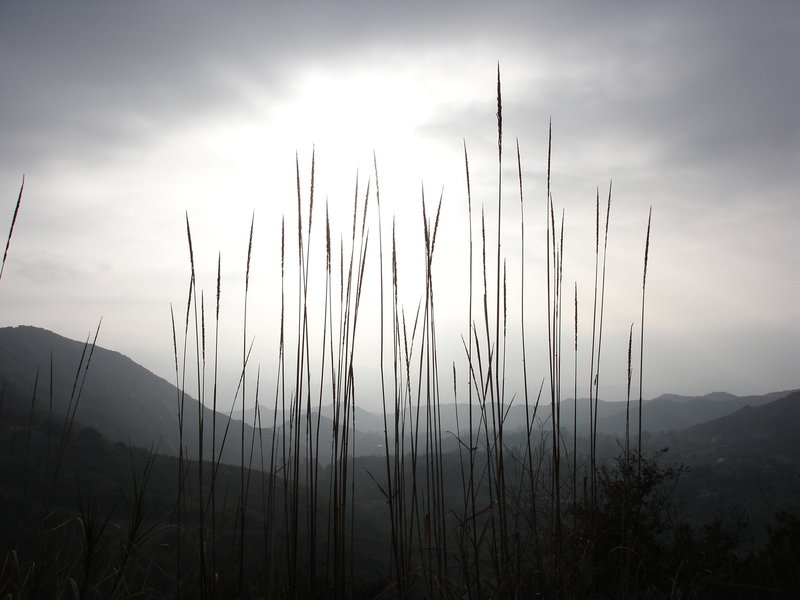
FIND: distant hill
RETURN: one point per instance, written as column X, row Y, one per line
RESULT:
column 669, row 412
column 120, row 398
column 366, row 421
column 745, row 463
column 768, row 430
column 126, row 402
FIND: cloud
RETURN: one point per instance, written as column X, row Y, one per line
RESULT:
column 125, row 115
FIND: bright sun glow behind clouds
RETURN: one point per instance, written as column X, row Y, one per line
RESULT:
column 354, row 108
column 238, row 162
column 345, row 114
column 224, row 169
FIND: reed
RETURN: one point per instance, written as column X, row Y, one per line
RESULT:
column 641, row 334
column 628, row 398
column 244, row 470
column 484, row 511
column 11, row 228
column 575, row 408
column 213, row 490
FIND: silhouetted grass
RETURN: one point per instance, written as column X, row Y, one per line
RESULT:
column 485, row 511
column 11, row 228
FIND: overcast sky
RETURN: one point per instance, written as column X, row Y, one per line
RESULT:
column 125, row 116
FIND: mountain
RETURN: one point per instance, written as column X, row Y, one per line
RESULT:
column 127, row 403
column 766, row 430
column 743, row 465
column 668, row 412
column 116, row 396
column 366, row 421
column 671, row 412
column 679, row 412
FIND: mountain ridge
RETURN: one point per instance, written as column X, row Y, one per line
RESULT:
column 126, row 402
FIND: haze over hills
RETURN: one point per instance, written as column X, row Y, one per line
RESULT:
column 668, row 412
column 745, row 465
column 127, row 403
column 766, row 430
column 123, row 400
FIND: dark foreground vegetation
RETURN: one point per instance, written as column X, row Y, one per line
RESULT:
column 484, row 510
column 107, row 526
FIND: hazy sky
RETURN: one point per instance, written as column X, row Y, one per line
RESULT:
column 125, row 116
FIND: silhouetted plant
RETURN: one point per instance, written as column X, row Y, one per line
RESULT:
column 503, row 514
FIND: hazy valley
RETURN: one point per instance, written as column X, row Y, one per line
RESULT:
column 742, row 454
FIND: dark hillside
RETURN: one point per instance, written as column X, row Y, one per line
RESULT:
column 127, row 403
column 120, row 398
column 744, row 466
column 52, row 499
column 769, row 431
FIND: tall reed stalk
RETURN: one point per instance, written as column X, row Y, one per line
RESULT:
column 641, row 336
column 11, row 228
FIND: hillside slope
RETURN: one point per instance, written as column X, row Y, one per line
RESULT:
column 118, row 397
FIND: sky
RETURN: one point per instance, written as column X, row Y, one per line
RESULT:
column 125, row 118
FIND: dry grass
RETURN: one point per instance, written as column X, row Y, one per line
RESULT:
column 496, row 519
column 11, row 229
